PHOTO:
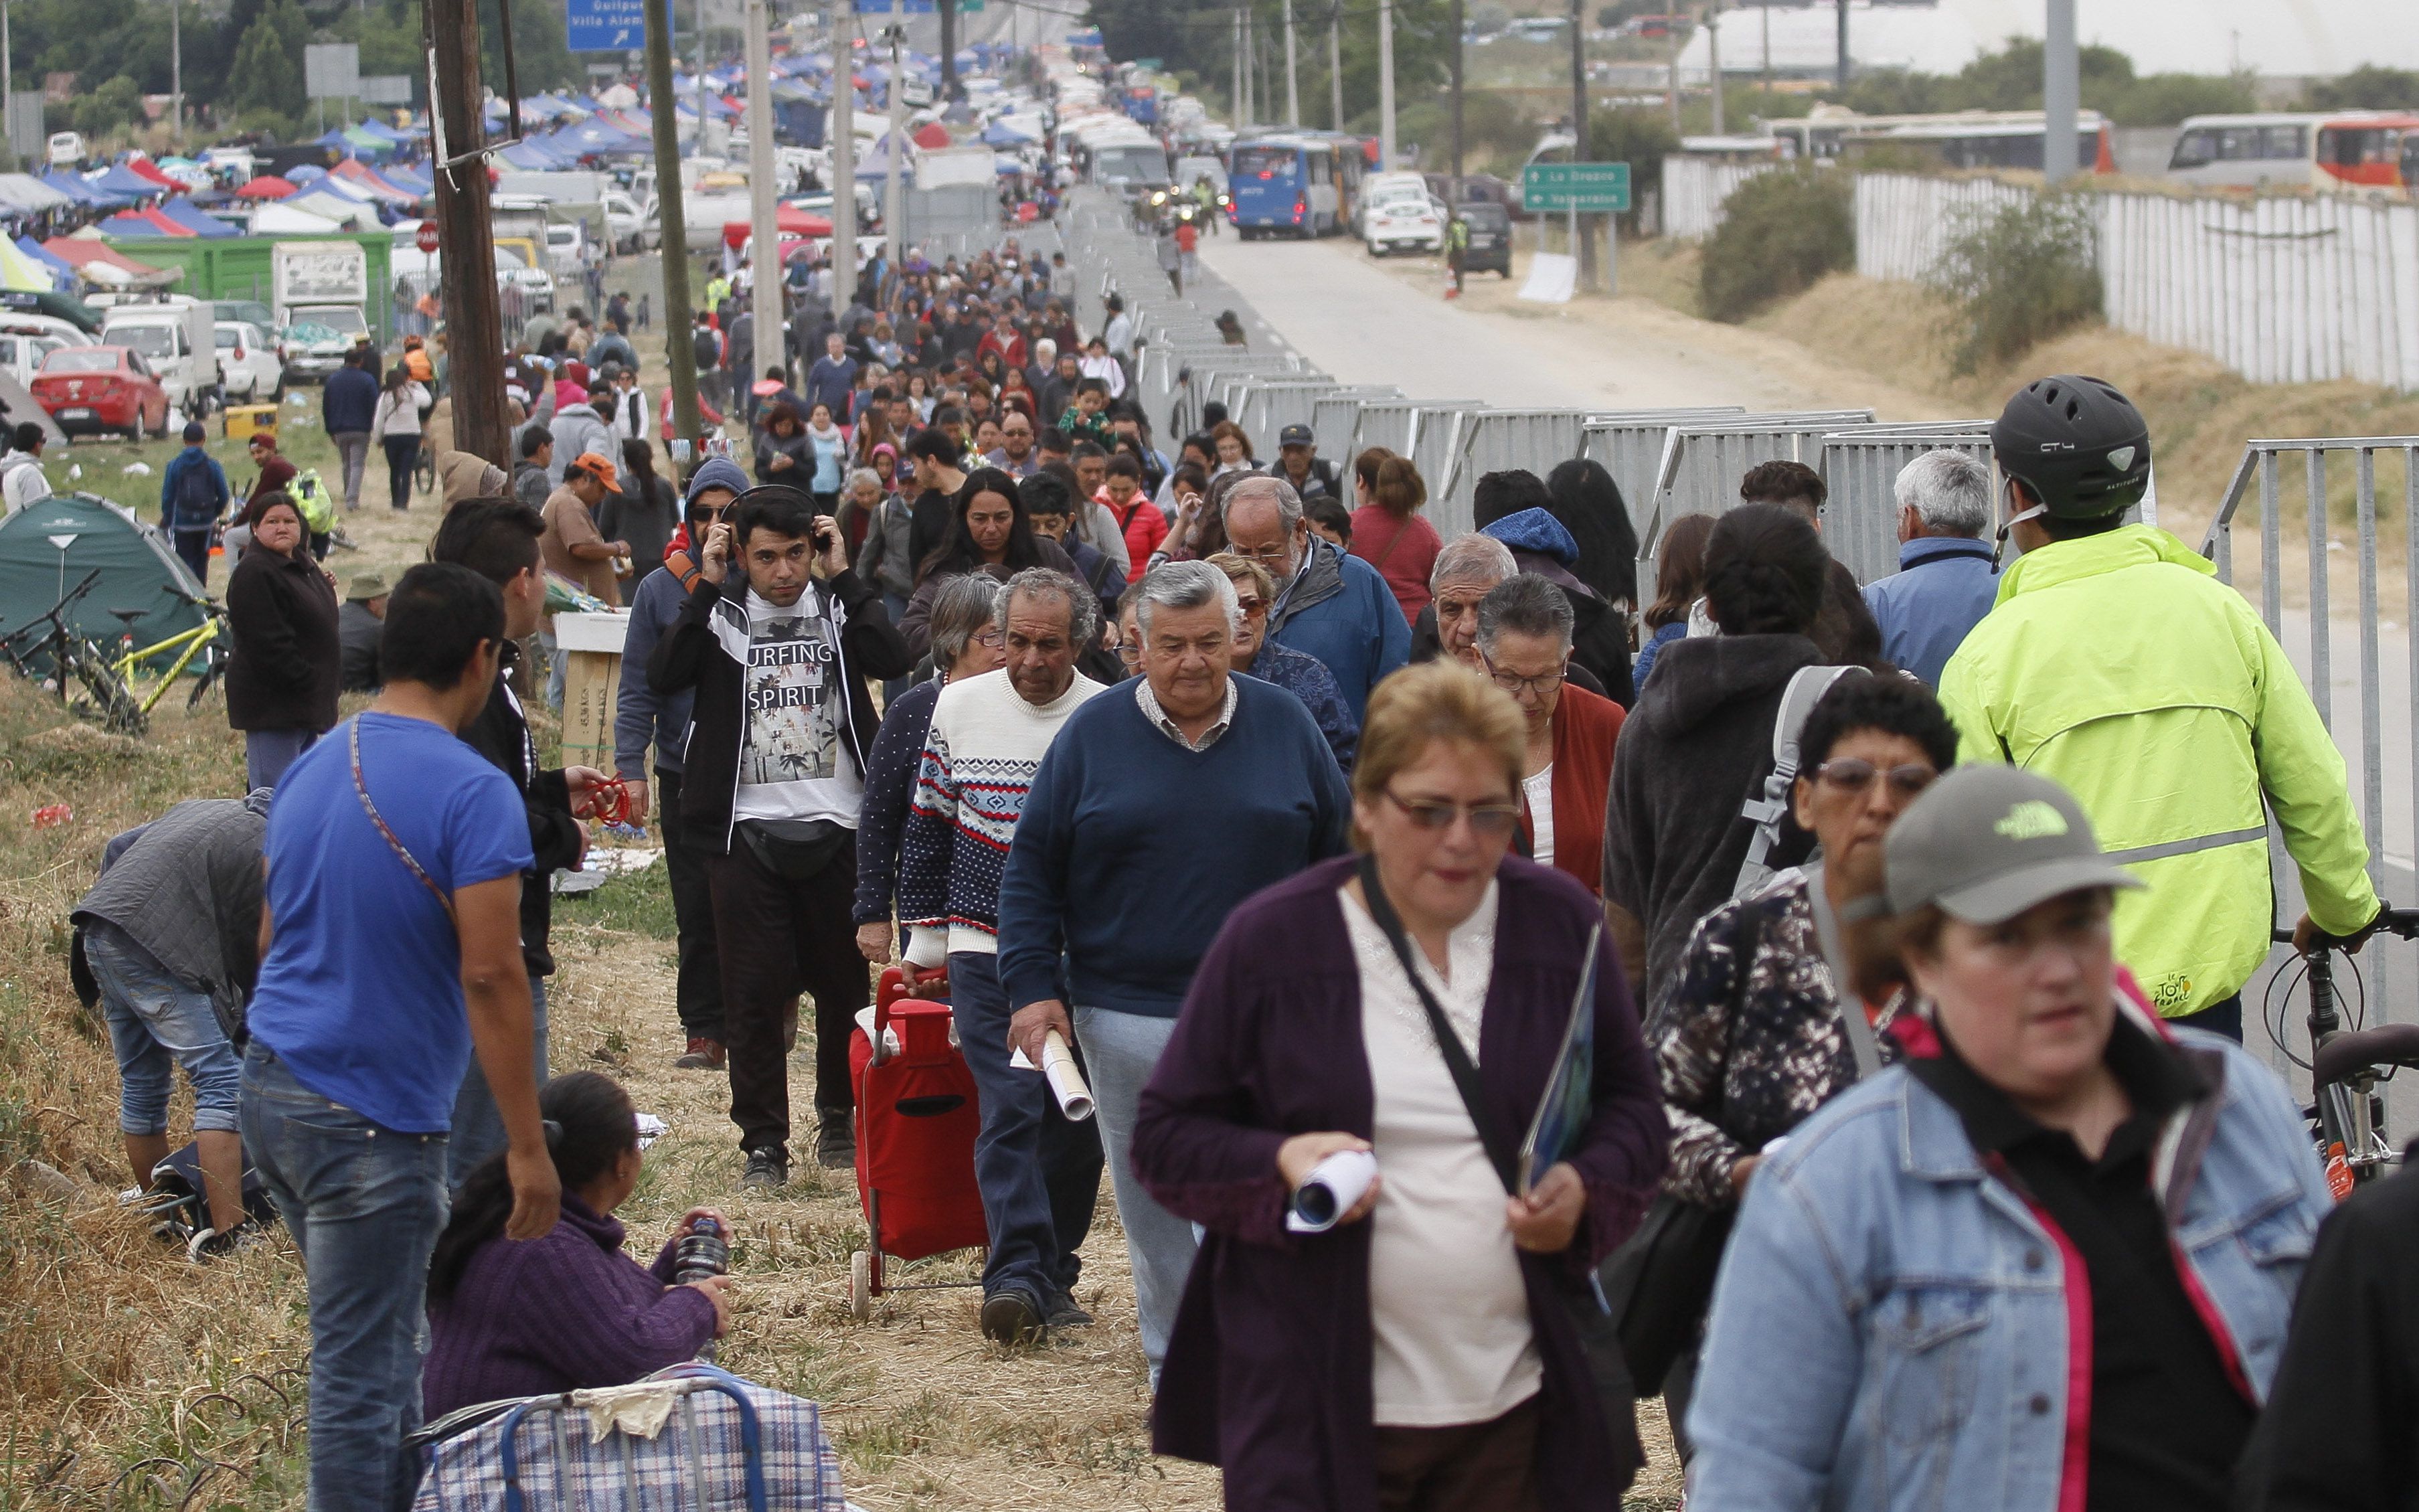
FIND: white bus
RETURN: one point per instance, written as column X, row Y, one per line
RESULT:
column 2247, row 152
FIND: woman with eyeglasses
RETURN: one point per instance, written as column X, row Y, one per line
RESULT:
column 1757, row 1034
column 1420, row 1353
column 1524, row 642
column 1304, row 676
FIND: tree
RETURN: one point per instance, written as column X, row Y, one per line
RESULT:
column 116, row 103
column 2366, row 87
column 266, row 74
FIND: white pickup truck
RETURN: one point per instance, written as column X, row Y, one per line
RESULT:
column 178, row 340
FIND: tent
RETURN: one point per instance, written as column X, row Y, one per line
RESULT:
column 268, row 186
column 17, row 271
column 143, row 224
column 336, row 207
column 24, row 192
column 932, row 134
column 98, row 262
column 48, row 546
column 128, row 184
column 17, row 405
column 181, row 212
column 1001, row 134
column 787, row 220
column 282, row 219
column 62, row 271
column 144, row 168
column 74, row 187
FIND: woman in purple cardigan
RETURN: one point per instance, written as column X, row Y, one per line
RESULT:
column 1424, row 1357
column 567, row 1309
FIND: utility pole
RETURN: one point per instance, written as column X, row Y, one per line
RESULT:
column 765, row 323
column 1765, row 10
column 176, row 70
column 1385, row 85
column 474, row 324
column 949, row 12
column 1454, row 85
column 1293, row 85
column 1714, row 59
column 893, row 229
column 1251, row 66
column 844, row 218
column 2061, row 85
column 7, row 85
column 1235, row 99
column 680, row 351
column 1843, row 46
column 1671, row 88
column 1334, row 66
column 1584, row 245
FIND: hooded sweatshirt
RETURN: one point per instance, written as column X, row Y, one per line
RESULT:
column 1696, row 746
column 1541, row 544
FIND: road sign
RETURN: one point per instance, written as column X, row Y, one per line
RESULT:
column 1591, row 188
column 332, row 70
column 425, row 238
column 608, row 26
column 386, row 88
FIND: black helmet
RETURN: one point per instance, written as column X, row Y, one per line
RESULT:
column 2077, row 444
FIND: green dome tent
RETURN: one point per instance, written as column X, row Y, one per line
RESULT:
column 48, row 546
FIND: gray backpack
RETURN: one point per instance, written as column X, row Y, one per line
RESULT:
column 1805, row 689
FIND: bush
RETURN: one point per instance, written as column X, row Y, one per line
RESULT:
column 1640, row 138
column 116, row 103
column 1782, row 231
column 2019, row 274
column 2166, row 98
column 2370, row 87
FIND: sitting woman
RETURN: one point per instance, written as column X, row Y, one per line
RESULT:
column 567, row 1310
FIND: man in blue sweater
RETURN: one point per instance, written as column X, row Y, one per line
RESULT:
column 349, row 407
column 831, row 378
column 1114, row 888
column 1946, row 579
column 1329, row 604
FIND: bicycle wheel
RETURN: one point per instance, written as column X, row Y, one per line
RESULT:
column 213, row 665
column 114, row 703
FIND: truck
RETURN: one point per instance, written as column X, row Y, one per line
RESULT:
column 178, row 339
column 320, row 291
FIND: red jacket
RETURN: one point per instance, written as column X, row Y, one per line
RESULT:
column 1143, row 526
column 1012, row 351
column 1586, row 728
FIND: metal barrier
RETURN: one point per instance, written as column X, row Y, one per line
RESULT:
column 1703, row 460
column 1397, row 424
column 1267, row 406
column 1861, row 467
column 1335, row 419
column 1493, row 441
column 1433, row 445
column 1628, row 444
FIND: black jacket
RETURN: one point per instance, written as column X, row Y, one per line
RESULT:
column 500, row 734
column 698, row 652
column 288, row 662
column 2341, row 1432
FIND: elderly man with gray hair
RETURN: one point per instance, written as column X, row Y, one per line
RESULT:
column 1946, row 579
column 1038, row 1174
column 1465, row 571
column 1330, row 604
column 1162, row 805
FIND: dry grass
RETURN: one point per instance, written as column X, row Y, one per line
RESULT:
column 137, row 1381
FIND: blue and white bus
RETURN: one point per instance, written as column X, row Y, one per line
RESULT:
column 1293, row 185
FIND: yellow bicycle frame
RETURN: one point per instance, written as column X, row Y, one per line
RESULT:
column 128, row 665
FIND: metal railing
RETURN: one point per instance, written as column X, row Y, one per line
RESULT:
column 1703, row 460
column 1628, row 444
column 1494, row 440
column 1335, row 419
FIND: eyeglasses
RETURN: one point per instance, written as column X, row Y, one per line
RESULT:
column 991, row 638
column 1130, row 653
column 1850, row 775
column 1275, row 554
column 1251, row 604
column 1492, row 820
column 1511, row 682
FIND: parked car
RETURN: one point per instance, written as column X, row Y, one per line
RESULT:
column 1490, row 239
column 23, row 347
column 250, row 365
column 1403, row 220
column 94, row 388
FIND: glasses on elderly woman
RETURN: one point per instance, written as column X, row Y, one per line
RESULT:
column 1253, row 605
column 1850, row 775
column 1488, row 819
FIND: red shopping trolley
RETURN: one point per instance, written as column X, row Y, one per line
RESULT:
column 917, row 1116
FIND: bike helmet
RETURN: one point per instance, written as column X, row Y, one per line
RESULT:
column 2078, row 445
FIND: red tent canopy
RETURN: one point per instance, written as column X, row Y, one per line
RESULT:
column 932, row 134
column 145, row 168
column 82, row 250
column 268, row 186
column 787, row 220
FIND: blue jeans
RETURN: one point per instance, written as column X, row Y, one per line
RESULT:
column 478, row 1125
column 267, row 754
column 1040, row 1174
column 156, row 1022
column 365, row 1205
column 1120, row 1052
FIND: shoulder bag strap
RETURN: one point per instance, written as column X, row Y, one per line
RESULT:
column 1766, row 810
column 1834, row 945
column 1456, row 1059
column 353, row 740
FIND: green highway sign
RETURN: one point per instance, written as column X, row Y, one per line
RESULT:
column 1590, row 187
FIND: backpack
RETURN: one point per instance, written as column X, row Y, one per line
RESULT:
column 1805, row 689
column 310, row 496
column 196, row 497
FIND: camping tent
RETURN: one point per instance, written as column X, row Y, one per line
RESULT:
column 281, row 219
column 47, row 548
column 787, row 220
column 17, row 404
column 268, row 186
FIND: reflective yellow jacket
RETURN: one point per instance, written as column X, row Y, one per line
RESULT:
column 2119, row 665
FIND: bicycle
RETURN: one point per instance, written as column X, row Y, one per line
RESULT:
column 204, row 641
column 74, row 658
column 2346, row 1065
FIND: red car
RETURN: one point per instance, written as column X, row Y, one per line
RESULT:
column 102, row 389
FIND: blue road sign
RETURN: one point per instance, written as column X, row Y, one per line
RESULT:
column 608, row 26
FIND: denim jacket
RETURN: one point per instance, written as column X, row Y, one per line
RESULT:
column 1893, row 1325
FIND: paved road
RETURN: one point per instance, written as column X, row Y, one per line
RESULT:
column 1368, row 324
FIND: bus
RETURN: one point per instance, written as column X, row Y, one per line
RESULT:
column 2339, row 150
column 1299, row 184
column 1963, row 139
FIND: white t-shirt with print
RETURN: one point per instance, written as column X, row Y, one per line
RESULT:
column 794, row 762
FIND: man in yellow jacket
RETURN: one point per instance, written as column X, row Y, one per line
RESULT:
column 2116, row 663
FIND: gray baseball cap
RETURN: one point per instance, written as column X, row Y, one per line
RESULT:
column 1988, row 841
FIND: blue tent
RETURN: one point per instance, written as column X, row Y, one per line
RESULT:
column 1001, row 134
column 62, row 271
column 128, row 223
column 128, row 184
column 194, row 221
column 77, row 188
column 303, row 173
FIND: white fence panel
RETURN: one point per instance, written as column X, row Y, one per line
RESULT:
column 1903, row 221
column 1695, row 189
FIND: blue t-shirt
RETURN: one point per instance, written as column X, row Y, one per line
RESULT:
column 362, row 993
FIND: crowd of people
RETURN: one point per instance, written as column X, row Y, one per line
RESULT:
column 1907, row 924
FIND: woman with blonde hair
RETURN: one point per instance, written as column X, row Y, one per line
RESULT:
column 1418, row 1349
column 1388, row 530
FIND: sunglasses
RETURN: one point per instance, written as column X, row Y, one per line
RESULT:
column 1490, row 820
column 1850, row 775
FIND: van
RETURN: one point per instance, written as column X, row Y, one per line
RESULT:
column 177, row 339
column 67, row 149
column 566, row 247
